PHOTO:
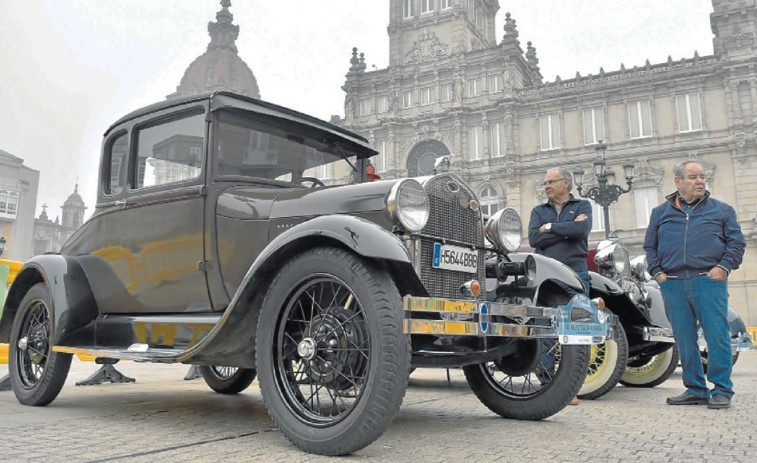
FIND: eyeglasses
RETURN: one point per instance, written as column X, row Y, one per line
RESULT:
column 552, row 182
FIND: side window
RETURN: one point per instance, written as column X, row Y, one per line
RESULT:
column 115, row 181
column 170, row 152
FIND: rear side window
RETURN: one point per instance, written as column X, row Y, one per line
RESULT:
column 170, row 152
column 116, row 178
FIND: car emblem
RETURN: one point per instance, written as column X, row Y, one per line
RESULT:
column 464, row 203
column 484, row 317
column 473, row 205
column 452, row 186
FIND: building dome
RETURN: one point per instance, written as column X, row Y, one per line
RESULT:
column 74, row 200
column 220, row 67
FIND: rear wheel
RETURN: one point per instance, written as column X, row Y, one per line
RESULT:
column 227, row 380
column 607, row 362
column 37, row 373
column 333, row 362
column 650, row 370
column 537, row 382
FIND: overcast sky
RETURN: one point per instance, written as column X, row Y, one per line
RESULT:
column 69, row 68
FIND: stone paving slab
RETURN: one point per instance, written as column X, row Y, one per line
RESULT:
column 163, row 418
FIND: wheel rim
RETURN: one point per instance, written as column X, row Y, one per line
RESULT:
column 33, row 347
column 224, row 373
column 528, row 384
column 321, row 351
column 645, row 365
column 597, row 360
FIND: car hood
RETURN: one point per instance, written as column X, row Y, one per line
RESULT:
column 347, row 199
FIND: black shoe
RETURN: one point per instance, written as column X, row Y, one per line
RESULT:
column 687, row 399
column 719, row 401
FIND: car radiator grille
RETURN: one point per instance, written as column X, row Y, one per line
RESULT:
column 449, row 219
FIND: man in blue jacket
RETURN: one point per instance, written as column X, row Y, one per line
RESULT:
column 560, row 227
column 692, row 244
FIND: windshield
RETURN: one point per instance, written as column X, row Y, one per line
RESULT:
column 252, row 147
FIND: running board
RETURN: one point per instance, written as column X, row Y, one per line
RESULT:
column 135, row 352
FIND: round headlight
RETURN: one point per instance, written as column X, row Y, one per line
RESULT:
column 408, row 204
column 505, row 229
column 620, row 260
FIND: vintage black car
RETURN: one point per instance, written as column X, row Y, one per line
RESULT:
column 244, row 237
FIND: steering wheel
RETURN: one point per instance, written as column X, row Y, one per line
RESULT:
column 315, row 182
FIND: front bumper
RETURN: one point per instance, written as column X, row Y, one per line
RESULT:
column 590, row 325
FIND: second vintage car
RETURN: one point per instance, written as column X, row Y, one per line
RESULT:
column 248, row 239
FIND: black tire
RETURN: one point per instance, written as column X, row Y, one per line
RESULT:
column 650, row 371
column 36, row 372
column 333, row 362
column 512, row 388
column 228, row 380
column 607, row 362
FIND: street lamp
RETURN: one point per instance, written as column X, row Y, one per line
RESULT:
column 2, row 245
column 606, row 192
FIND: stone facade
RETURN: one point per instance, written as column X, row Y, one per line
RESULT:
column 452, row 86
column 18, row 199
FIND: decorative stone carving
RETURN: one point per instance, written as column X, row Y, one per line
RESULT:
column 739, row 39
column 427, row 48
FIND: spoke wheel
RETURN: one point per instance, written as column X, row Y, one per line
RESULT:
column 227, row 380
column 607, row 362
column 333, row 362
column 322, row 348
column 554, row 376
column 650, row 370
column 37, row 373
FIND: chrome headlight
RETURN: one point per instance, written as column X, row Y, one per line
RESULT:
column 407, row 202
column 612, row 256
column 639, row 268
column 505, row 230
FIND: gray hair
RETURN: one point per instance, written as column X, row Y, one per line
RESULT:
column 564, row 173
column 681, row 166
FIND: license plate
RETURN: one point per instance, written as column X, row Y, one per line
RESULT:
column 450, row 257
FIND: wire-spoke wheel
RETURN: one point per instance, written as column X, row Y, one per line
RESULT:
column 37, row 373
column 537, row 382
column 332, row 360
column 227, row 380
column 650, row 370
column 607, row 362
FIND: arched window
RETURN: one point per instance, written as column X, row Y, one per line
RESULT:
column 489, row 199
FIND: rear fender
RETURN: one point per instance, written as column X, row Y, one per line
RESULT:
column 74, row 310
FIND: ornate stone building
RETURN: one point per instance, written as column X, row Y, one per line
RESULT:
column 49, row 235
column 220, row 67
column 454, row 86
column 18, row 199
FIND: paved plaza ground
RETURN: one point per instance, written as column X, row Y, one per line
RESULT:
column 163, row 418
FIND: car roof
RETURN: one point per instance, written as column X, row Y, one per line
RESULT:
column 226, row 99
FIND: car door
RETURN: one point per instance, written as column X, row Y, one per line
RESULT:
column 146, row 248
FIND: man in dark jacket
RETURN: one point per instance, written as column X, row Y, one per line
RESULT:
column 692, row 244
column 559, row 228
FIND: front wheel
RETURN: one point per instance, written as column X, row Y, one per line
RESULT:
column 227, row 380
column 538, row 381
column 37, row 373
column 333, row 362
column 607, row 362
column 650, row 370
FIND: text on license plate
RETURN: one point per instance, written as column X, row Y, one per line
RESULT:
column 450, row 257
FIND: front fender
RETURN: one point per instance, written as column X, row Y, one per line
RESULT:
column 73, row 310
column 359, row 235
column 550, row 269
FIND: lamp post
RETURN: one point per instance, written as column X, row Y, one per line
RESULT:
column 606, row 192
column 2, row 245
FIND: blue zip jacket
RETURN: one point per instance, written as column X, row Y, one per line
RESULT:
column 568, row 240
column 686, row 245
